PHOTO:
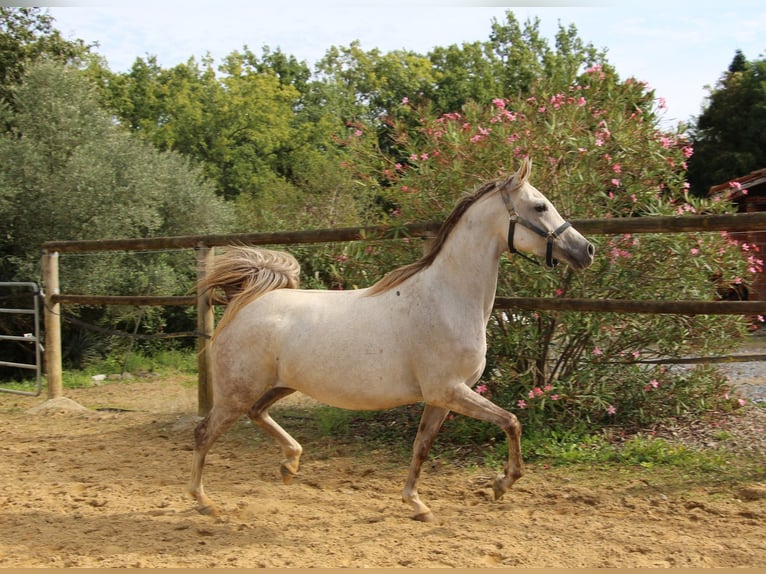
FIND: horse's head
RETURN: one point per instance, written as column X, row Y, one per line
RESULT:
column 536, row 226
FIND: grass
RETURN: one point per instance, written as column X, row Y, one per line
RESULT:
column 163, row 363
column 482, row 445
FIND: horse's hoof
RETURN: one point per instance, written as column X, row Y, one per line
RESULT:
column 208, row 510
column 424, row 517
column 498, row 487
column 287, row 474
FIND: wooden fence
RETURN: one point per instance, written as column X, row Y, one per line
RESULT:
column 204, row 246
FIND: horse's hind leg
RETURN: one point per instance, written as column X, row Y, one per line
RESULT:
column 217, row 422
column 291, row 449
column 430, row 423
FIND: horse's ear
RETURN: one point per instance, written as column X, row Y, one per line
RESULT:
column 522, row 175
column 518, row 179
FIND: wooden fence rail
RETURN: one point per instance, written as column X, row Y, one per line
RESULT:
column 204, row 244
column 689, row 307
column 616, row 226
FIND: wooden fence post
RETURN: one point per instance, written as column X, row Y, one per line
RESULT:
column 52, row 320
column 205, row 325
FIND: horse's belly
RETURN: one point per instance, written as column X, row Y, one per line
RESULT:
column 359, row 382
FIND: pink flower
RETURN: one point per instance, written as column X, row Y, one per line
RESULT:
column 522, row 404
column 695, row 251
column 653, row 384
column 499, row 103
column 596, row 70
column 554, row 397
column 617, row 168
column 611, row 410
column 482, row 135
column 741, row 402
column 481, row 389
column 358, row 133
column 405, row 101
column 598, row 352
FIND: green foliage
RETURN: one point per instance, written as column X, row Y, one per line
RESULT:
column 164, row 363
column 238, row 124
column 89, row 179
column 597, row 152
column 27, row 35
column 730, row 134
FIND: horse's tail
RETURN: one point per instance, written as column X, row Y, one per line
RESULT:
column 244, row 273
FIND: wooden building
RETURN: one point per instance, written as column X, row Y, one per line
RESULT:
column 749, row 194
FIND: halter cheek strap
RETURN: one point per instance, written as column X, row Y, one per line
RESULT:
column 549, row 236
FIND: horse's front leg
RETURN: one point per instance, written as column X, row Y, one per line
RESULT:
column 430, row 423
column 469, row 403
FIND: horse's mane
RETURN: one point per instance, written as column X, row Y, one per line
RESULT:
column 401, row 274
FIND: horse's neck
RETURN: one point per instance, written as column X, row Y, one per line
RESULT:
column 467, row 267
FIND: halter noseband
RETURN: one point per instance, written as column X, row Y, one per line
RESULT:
column 549, row 236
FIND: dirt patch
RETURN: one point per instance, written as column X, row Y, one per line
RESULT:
column 105, row 488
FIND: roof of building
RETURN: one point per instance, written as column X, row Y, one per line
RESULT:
column 752, row 179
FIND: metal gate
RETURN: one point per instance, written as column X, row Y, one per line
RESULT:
column 31, row 338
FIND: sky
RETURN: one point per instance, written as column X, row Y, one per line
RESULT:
column 678, row 47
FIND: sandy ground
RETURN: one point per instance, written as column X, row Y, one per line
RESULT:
column 105, row 488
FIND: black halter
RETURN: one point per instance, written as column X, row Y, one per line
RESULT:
column 549, row 236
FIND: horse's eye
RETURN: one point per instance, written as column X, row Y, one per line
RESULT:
column 541, row 208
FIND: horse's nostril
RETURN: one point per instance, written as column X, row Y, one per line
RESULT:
column 591, row 250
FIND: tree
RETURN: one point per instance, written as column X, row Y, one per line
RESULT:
column 730, row 134
column 597, row 152
column 26, row 35
column 237, row 124
column 69, row 172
